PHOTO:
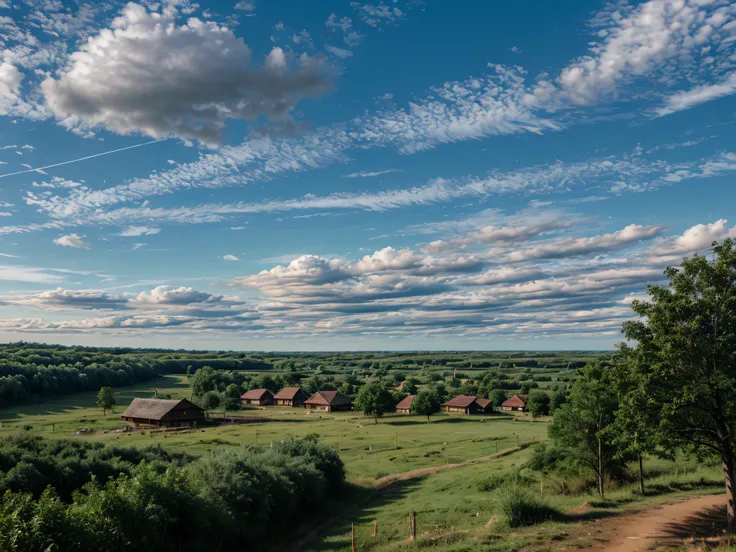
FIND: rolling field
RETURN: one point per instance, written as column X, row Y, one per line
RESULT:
column 369, row 450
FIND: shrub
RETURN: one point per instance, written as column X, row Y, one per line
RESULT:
column 491, row 483
column 519, row 507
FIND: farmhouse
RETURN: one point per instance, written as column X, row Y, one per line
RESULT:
column 290, row 396
column 517, row 402
column 258, row 397
column 486, row 405
column 328, row 401
column 164, row 413
column 466, row 404
column 404, row 406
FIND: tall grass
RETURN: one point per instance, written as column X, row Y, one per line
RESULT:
column 520, row 507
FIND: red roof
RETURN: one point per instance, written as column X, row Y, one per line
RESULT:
column 483, row 403
column 329, row 398
column 460, row 401
column 405, row 403
column 255, row 394
column 287, row 393
column 516, row 400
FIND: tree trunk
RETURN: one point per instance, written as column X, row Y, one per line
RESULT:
column 729, row 476
column 641, row 474
column 601, row 490
column 427, row 418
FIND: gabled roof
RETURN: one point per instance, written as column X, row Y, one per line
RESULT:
column 287, row 393
column 255, row 394
column 483, row 403
column 460, row 401
column 516, row 400
column 155, row 409
column 406, row 402
column 328, row 398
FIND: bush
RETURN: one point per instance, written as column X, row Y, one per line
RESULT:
column 491, row 483
column 519, row 507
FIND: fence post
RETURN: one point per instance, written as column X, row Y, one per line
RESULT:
column 375, row 528
column 496, row 446
column 396, row 447
column 352, row 536
column 413, row 526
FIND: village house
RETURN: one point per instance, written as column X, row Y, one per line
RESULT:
column 404, row 406
column 163, row 413
column 328, row 401
column 256, row 397
column 290, row 396
column 486, row 405
column 465, row 404
column 517, row 403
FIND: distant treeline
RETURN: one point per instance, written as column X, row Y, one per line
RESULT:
column 70, row 495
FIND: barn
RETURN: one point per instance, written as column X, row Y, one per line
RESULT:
column 465, row 404
column 517, row 403
column 257, row 397
column 404, row 406
column 164, row 413
column 328, row 401
column 290, row 396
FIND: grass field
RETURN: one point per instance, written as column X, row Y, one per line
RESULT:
column 369, row 450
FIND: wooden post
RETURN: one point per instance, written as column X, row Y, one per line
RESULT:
column 413, row 526
column 517, row 440
column 352, row 537
column 396, row 447
column 496, row 446
column 375, row 528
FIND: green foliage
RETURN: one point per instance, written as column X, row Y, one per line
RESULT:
column 229, row 404
column 520, row 507
column 425, row 403
column 106, row 398
column 374, row 400
column 498, row 396
column 538, row 403
column 211, row 400
column 231, row 500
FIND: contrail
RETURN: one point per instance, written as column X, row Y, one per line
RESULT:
column 36, row 169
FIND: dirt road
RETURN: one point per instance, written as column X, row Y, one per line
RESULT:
column 700, row 517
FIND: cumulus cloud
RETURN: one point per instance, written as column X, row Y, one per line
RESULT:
column 230, row 258
column 10, row 81
column 72, row 240
column 167, row 295
column 697, row 239
column 183, row 80
column 60, row 299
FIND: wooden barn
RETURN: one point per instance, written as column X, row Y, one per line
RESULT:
column 290, row 396
column 486, row 405
column 164, row 413
column 404, row 406
column 328, row 401
column 257, row 397
column 517, row 402
column 465, row 404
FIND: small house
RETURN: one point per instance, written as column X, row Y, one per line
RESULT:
column 465, row 404
column 163, row 413
column 517, row 403
column 328, row 401
column 486, row 405
column 290, row 396
column 404, row 406
column 256, row 397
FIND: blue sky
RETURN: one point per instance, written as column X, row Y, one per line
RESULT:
column 345, row 175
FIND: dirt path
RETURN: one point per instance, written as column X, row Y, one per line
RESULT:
column 701, row 517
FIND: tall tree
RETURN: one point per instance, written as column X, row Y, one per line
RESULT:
column 538, row 403
column 425, row 404
column 685, row 358
column 374, row 400
column 581, row 426
column 106, row 399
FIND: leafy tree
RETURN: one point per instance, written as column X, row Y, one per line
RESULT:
column 538, row 403
column 410, row 386
column 498, row 396
column 374, row 400
column 211, row 400
column 106, row 399
column 559, row 397
column 527, row 386
column 683, row 361
column 232, row 391
column 229, row 404
column 580, row 426
column 425, row 404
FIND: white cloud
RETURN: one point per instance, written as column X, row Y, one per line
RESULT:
column 340, row 53
column 72, row 240
column 698, row 95
column 167, row 295
column 196, row 76
column 10, row 81
column 697, row 239
column 230, row 258
column 246, row 5
column 366, row 174
column 374, row 15
column 133, row 231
